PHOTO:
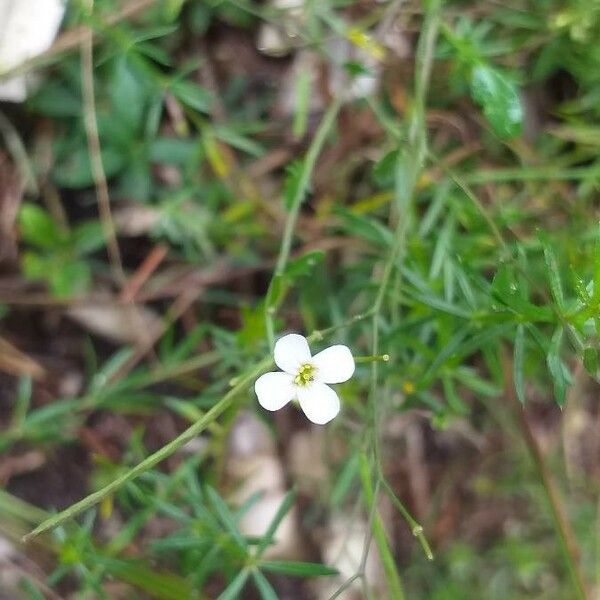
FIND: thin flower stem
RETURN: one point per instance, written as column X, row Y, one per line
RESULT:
column 378, row 530
column 191, row 432
column 409, row 166
column 155, row 458
column 566, row 537
column 415, row 527
column 93, row 140
column 370, row 359
column 308, row 165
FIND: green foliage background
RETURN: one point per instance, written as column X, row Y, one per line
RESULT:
column 460, row 237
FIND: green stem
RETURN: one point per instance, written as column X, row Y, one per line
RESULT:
column 308, row 165
column 415, row 527
column 241, row 383
column 378, row 529
column 408, row 168
column 566, row 537
column 158, row 456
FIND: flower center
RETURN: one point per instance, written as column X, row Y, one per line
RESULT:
column 306, row 374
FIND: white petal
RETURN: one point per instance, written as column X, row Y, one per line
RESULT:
column 319, row 402
column 291, row 351
column 334, row 364
column 274, row 390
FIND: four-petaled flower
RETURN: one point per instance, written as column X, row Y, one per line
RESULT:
column 305, row 378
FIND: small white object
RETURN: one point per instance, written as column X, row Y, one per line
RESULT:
column 27, row 28
column 305, row 378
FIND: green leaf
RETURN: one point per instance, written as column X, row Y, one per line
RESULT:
column 384, row 171
column 193, row 95
column 518, row 363
column 263, row 586
column 590, row 360
column 379, row 534
column 88, row 237
column 136, row 181
column 507, row 288
column 229, row 135
column 283, row 510
column 128, row 95
column 292, row 183
column 29, row 588
column 225, row 517
column 38, row 228
column 172, row 151
column 304, row 265
column 56, row 100
column 596, row 278
column 162, row 586
column 553, row 274
column 70, row 279
column 34, row 266
column 561, row 377
column 299, row 569
column 369, row 229
column 344, row 480
column 499, row 98
column 302, row 107
column 235, row 587
column 75, row 171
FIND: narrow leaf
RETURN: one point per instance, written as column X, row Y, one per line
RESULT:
column 283, row 509
column 225, row 517
column 518, row 363
column 264, row 587
column 233, row 590
column 561, row 378
column 298, row 569
column 553, row 275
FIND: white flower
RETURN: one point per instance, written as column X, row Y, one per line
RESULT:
column 305, row 378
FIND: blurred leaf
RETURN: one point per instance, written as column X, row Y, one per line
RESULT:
column 30, row 589
column 561, row 377
column 303, row 265
column 232, row 591
column 225, row 517
column 499, row 98
column 344, row 480
column 263, row 586
column 590, row 360
column 128, row 95
column 34, row 265
column 292, row 182
column 172, row 151
column 70, row 278
column 136, row 180
column 384, row 171
column 507, row 288
column 364, row 227
column 88, row 237
column 299, row 569
column 553, row 274
column 75, row 170
column 302, row 103
column 193, row 95
column 235, row 139
column 162, row 586
column 282, row 511
column 56, row 100
column 518, row 363
column 253, row 329
column 38, row 228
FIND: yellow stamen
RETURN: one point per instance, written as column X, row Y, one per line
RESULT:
column 305, row 375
